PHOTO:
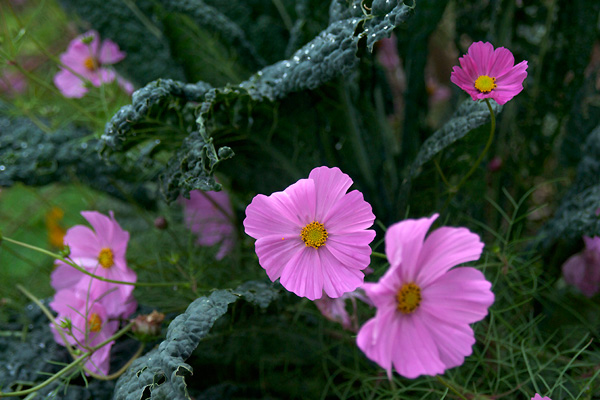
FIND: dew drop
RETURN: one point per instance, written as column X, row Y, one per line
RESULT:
column 2, row 167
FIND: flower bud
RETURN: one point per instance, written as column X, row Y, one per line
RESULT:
column 161, row 223
column 147, row 327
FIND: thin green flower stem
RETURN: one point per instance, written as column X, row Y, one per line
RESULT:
column 490, row 140
column 47, row 381
column 449, row 386
column 284, row 14
column 441, row 173
column 83, row 270
column 485, row 149
column 378, row 255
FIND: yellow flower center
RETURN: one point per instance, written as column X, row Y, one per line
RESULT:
column 314, row 234
column 90, row 63
column 106, row 258
column 408, row 298
column 485, row 84
column 94, row 323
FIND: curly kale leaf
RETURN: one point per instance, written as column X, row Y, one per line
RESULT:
column 160, row 105
column 470, row 115
column 36, row 158
column 576, row 215
column 161, row 373
column 331, row 54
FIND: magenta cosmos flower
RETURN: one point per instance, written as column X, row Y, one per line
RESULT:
column 313, row 236
column 583, row 269
column 538, row 397
column 86, row 60
column 424, row 309
column 102, row 252
column 210, row 216
column 90, row 325
column 485, row 73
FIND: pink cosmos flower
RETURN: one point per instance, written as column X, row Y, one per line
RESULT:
column 538, row 397
column 485, row 73
column 102, row 252
column 583, row 269
column 86, row 60
column 90, row 326
column 424, row 309
column 335, row 309
column 313, row 236
column 210, row 216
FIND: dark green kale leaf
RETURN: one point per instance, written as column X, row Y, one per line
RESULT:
column 469, row 115
column 161, row 373
column 577, row 214
column 36, row 158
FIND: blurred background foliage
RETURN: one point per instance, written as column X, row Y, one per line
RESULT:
column 224, row 88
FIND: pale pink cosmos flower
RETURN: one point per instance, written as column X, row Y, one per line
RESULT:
column 210, row 216
column 538, row 397
column 313, row 236
column 86, row 60
column 424, row 308
column 335, row 309
column 102, row 252
column 583, row 269
column 485, row 73
column 90, row 326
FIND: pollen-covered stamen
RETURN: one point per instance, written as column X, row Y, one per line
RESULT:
column 106, row 258
column 485, row 84
column 408, row 298
column 94, row 323
column 90, row 63
column 314, row 234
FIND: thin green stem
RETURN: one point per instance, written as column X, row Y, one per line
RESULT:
column 47, row 381
column 441, row 173
column 86, row 272
column 490, row 140
column 485, row 149
column 379, row 255
column 449, row 386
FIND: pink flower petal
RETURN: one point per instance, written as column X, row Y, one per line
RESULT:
column 482, row 54
column 108, row 232
column 454, row 341
column 64, row 276
column 337, row 277
column 445, row 248
column 69, row 85
column 461, row 295
column 82, row 242
column 110, row 52
column 331, row 185
column 303, row 274
column 274, row 253
column 377, row 338
column 403, row 242
column 350, row 213
column 415, row 350
column 352, row 249
column 502, row 62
